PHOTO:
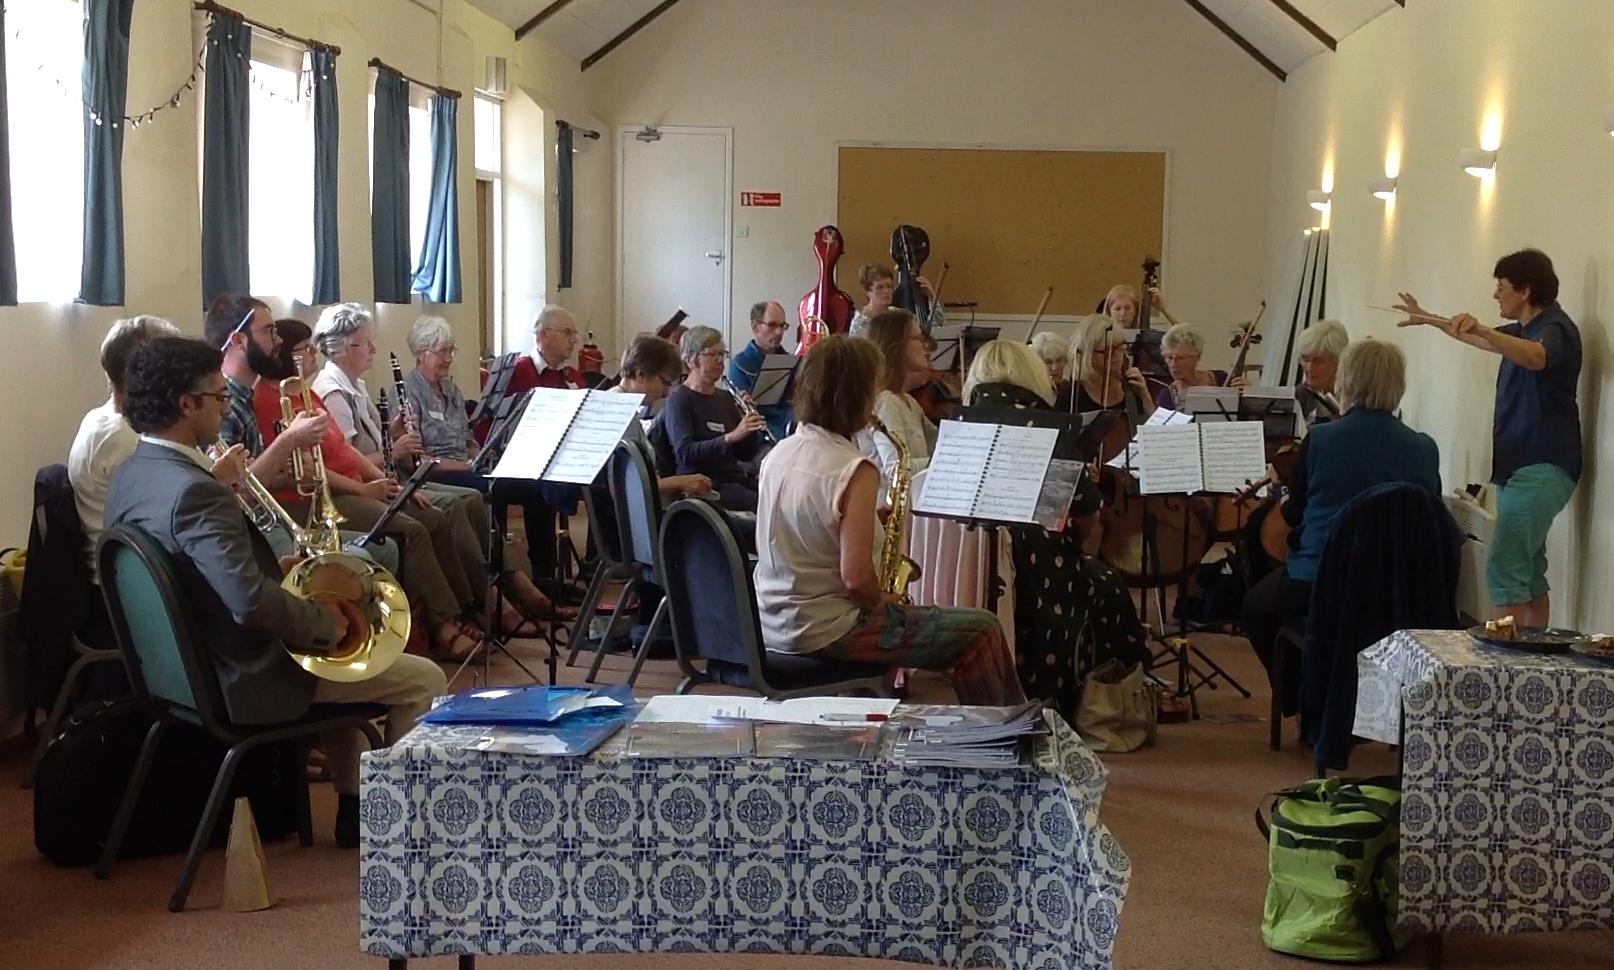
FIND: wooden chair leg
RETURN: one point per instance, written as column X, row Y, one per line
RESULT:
column 649, row 640
column 131, row 796
column 204, row 828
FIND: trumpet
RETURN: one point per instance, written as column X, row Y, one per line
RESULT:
column 327, row 571
column 322, row 512
column 746, row 408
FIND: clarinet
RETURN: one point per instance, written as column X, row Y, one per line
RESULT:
column 746, row 408
column 411, row 425
column 388, row 463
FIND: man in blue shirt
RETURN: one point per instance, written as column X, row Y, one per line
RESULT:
column 1535, row 455
column 768, row 326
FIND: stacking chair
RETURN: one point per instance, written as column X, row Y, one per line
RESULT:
column 1291, row 634
column 174, row 675
column 602, row 528
column 713, row 605
column 637, row 501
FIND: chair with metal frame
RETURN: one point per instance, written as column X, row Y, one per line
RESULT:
column 611, row 568
column 637, row 500
column 174, row 675
column 712, row 601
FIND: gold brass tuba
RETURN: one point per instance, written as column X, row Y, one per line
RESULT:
column 328, row 571
column 898, row 571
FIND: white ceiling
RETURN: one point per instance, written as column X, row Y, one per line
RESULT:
column 584, row 26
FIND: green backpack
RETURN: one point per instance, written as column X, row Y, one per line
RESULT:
column 1333, row 887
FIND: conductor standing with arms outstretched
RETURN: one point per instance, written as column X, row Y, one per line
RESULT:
column 1536, row 448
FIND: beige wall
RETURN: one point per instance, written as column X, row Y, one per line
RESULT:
column 1411, row 89
column 49, row 368
column 794, row 79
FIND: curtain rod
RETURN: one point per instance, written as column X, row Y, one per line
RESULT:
column 585, row 132
column 208, row 6
column 445, row 92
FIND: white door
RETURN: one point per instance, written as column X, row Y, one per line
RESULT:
column 672, row 228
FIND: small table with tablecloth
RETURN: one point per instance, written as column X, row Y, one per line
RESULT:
column 475, row 852
column 1507, row 817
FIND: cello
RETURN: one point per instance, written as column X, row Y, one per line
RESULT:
column 826, row 301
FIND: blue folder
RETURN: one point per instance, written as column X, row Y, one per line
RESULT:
column 530, row 706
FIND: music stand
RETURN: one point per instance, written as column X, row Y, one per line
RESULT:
column 1144, row 346
column 774, row 381
column 497, row 387
column 407, row 488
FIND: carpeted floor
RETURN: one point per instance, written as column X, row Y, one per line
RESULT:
column 1182, row 810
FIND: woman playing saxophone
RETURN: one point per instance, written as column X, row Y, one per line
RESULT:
column 820, row 589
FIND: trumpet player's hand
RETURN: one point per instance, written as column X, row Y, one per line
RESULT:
column 306, row 430
column 229, row 464
column 749, row 425
column 381, row 490
column 407, row 445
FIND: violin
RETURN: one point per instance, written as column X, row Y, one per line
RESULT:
column 910, row 247
column 1245, row 337
column 826, row 301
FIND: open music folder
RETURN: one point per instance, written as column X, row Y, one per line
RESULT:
column 1220, row 457
column 567, row 436
column 998, row 473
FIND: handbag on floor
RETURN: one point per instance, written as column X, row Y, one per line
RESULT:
column 1118, row 709
column 1332, row 887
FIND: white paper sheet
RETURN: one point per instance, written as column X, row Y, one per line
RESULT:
column 1168, row 460
column 541, row 429
column 567, row 436
column 1234, row 454
column 953, row 477
column 820, row 710
column 1165, row 417
column 695, row 708
column 987, row 471
column 698, row 709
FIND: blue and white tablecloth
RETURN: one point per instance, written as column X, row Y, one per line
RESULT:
column 1507, row 817
column 466, row 851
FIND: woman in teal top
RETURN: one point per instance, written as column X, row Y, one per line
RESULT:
column 1339, row 460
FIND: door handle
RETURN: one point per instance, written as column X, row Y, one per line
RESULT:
column 716, row 256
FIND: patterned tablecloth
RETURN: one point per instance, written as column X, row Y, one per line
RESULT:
column 466, row 851
column 1507, row 818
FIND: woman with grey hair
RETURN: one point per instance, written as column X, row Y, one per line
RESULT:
column 1365, row 447
column 445, row 434
column 704, row 427
column 1182, row 346
column 1320, row 346
column 1054, row 352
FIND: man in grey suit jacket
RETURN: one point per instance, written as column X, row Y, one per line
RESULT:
column 176, row 399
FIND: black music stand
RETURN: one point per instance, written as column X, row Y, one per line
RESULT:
column 507, row 415
column 497, row 387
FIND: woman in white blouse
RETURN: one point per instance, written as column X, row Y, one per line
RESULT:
column 896, row 334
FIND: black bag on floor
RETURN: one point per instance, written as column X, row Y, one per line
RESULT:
column 87, row 765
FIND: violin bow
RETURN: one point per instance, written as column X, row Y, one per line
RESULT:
column 1036, row 318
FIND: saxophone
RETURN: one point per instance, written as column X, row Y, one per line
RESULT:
column 897, row 569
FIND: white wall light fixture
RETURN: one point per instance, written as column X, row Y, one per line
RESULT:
column 1608, row 120
column 1382, row 187
column 1318, row 199
column 1477, row 162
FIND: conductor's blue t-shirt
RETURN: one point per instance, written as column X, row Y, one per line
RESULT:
column 1537, row 418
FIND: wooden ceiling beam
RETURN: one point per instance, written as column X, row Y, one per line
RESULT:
column 554, row 8
column 633, row 28
column 1307, row 23
column 1238, row 39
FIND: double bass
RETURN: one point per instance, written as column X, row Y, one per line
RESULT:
column 825, row 301
column 1143, row 357
column 910, row 247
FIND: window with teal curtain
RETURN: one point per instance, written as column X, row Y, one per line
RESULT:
column 225, row 129
column 389, row 188
column 327, row 247
column 106, row 83
column 437, row 276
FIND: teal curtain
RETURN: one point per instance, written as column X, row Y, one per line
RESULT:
column 327, row 248
column 389, row 188
column 563, row 200
column 438, row 274
column 8, row 248
column 106, row 83
column 226, row 120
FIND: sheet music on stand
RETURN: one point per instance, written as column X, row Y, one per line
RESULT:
column 774, row 380
column 1221, row 457
column 1209, row 404
column 996, row 473
column 567, row 435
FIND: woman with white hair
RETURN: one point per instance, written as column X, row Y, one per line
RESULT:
column 1054, row 352
column 1182, row 347
column 1339, row 460
column 708, row 434
column 1320, row 346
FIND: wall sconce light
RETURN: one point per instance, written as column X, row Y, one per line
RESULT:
column 1477, row 162
column 1318, row 199
column 1382, row 187
column 1608, row 120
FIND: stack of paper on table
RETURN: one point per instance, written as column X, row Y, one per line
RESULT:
column 964, row 737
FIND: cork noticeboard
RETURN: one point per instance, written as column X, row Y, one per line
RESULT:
column 1009, row 222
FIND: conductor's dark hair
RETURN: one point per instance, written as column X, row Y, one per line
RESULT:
column 1529, row 268
column 160, row 372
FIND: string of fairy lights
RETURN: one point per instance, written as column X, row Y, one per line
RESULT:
column 137, row 119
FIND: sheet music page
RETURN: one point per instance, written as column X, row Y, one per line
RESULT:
column 1014, row 476
column 956, row 468
column 1208, row 404
column 538, row 434
column 1168, row 459
column 1235, row 454
column 1163, row 417
column 594, row 433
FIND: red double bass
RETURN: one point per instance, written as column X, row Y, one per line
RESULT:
column 825, row 301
